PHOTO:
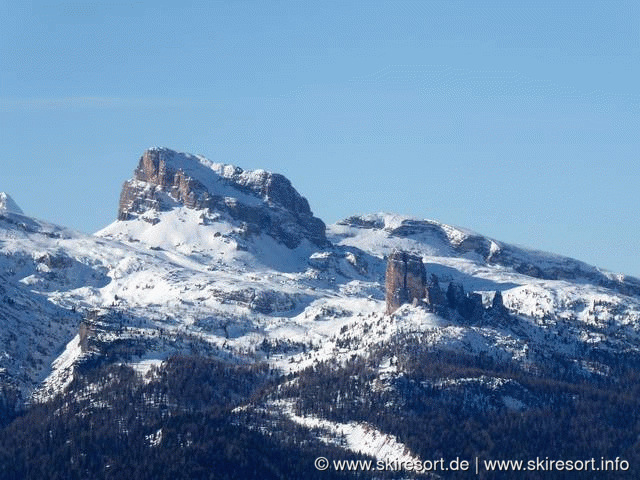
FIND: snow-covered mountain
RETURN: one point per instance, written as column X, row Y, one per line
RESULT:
column 210, row 259
column 8, row 204
column 212, row 254
column 260, row 202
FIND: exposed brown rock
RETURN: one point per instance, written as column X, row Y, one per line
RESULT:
column 266, row 202
column 85, row 332
column 405, row 280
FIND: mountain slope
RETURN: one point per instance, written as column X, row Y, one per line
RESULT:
column 209, row 260
column 195, row 271
column 258, row 200
column 8, row 204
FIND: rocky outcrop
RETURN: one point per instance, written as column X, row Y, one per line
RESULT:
column 84, row 332
column 455, row 294
column 497, row 305
column 455, row 303
column 435, row 295
column 405, row 280
column 471, row 308
column 446, row 240
column 262, row 201
column 55, row 260
column 468, row 305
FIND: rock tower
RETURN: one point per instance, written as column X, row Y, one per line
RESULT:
column 405, row 280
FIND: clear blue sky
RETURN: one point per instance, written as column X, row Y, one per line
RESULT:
column 521, row 122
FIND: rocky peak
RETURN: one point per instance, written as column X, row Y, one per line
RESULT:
column 405, row 280
column 497, row 305
column 438, row 239
column 8, row 205
column 435, row 295
column 262, row 201
column 455, row 294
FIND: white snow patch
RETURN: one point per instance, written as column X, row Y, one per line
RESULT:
column 357, row 437
column 144, row 366
column 154, row 439
column 62, row 372
column 513, row 403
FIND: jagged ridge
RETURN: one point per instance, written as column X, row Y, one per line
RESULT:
column 448, row 241
column 265, row 202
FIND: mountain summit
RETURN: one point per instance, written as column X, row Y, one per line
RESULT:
column 218, row 300
column 8, row 205
column 260, row 201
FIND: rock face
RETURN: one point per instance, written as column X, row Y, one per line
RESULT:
column 262, row 201
column 405, row 280
column 435, row 295
column 468, row 305
column 455, row 295
column 447, row 241
column 497, row 305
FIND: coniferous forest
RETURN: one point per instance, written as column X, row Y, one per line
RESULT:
column 201, row 418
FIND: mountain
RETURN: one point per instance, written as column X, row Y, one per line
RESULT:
column 262, row 202
column 217, row 299
column 8, row 205
column 47, row 275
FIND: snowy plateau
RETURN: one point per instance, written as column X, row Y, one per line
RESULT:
column 210, row 260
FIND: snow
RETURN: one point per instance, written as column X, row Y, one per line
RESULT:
column 182, row 238
column 188, row 276
column 213, row 176
column 8, row 205
column 513, row 403
column 358, row 437
column 154, row 439
column 62, row 371
column 143, row 367
column 191, row 280
column 186, row 280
